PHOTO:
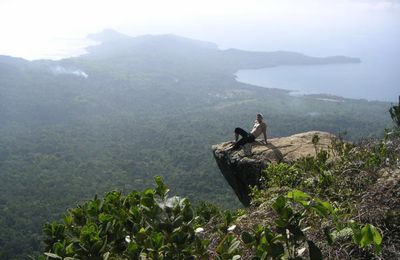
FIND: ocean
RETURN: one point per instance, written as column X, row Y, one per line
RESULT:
column 373, row 79
column 377, row 77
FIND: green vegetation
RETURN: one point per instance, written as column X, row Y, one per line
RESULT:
column 290, row 224
column 141, row 112
column 151, row 225
column 289, row 241
column 343, row 181
column 395, row 113
column 147, row 225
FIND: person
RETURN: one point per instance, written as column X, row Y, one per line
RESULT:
column 260, row 127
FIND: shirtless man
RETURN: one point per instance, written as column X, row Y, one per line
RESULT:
column 258, row 128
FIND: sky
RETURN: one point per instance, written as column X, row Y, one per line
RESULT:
column 57, row 28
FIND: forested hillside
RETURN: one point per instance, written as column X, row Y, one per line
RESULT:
column 133, row 108
column 339, row 202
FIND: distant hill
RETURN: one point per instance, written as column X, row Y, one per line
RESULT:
column 108, row 35
column 12, row 60
column 202, row 52
column 157, row 50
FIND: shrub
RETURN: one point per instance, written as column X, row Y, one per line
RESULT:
column 146, row 224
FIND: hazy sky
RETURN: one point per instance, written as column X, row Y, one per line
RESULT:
column 51, row 28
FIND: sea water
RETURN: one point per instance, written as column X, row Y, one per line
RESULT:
column 372, row 79
column 377, row 77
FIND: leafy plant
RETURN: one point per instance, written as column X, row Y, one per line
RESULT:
column 288, row 239
column 281, row 174
column 206, row 212
column 228, row 248
column 146, row 224
column 366, row 235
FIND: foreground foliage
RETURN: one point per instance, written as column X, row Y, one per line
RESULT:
column 144, row 224
column 287, row 238
column 358, row 183
column 311, row 209
column 151, row 225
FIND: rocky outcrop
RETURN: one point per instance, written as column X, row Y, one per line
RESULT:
column 242, row 168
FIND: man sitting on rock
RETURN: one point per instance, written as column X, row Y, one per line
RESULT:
column 258, row 128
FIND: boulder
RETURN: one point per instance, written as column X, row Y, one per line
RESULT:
column 242, row 168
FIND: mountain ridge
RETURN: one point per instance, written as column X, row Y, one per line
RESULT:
column 114, row 43
column 175, row 44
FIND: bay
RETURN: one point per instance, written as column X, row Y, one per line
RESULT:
column 373, row 79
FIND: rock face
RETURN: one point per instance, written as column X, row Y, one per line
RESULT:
column 242, row 168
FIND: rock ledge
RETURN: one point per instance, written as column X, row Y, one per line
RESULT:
column 242, row 171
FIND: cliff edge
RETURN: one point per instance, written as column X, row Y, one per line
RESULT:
column 242, row 168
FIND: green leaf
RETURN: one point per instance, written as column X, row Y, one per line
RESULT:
column 157, row 240
column 178, row 237
column 315, row 252
column 281, row 223
column 106, row 255
column 279, row 204
column 68, row 219
column 58, row 248
column 236, row 257
column 135, row 212
column 187, row 213
column 356, row 232
column 278, row 238
column 228, row 217
column 177, row 222
column 377, row 239
column 105, row 217
column 323, row 208
column 234, row 245
column 276, row 250
column 103, row 247
column 161, row 189
column 132, row 248
column 366, row 236
column 369, row 235
column 299, row 196
column 70, row 249
column 263, row 240
column 141, row 235
column 147, row 202
column 51, row 255
column 247, row 238
column 376, row 235
column 148, row 192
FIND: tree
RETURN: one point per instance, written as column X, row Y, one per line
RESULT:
column 395, row 113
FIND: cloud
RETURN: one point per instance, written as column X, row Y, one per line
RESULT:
column 58, row 70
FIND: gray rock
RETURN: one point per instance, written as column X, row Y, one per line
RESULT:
column 242, row 168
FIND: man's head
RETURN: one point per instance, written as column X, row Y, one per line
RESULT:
column 259, row 117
